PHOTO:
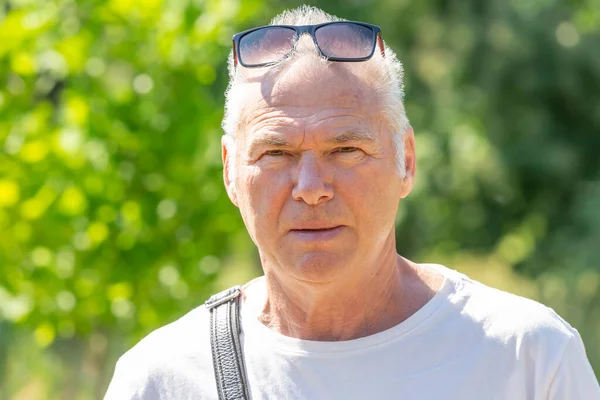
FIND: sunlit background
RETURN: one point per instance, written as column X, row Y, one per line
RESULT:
column 113, row 216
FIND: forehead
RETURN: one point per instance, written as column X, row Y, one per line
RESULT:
column 308, row 91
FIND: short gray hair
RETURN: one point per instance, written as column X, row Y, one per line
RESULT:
column 384, row 76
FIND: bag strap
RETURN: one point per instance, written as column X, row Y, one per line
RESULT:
column 228, row 361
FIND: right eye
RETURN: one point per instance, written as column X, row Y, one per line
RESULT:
column 274, row 153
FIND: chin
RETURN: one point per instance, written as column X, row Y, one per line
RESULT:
column 319, row 266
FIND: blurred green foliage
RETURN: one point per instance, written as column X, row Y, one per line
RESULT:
column 113, row 216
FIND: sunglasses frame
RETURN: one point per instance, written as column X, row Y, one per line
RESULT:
column 310, row 29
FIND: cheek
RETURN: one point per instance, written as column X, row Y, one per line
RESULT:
column 372, row 196
column 263, row 195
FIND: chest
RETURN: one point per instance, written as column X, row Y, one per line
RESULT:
column 393, row 372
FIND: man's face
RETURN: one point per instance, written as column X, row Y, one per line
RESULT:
column 315, row 173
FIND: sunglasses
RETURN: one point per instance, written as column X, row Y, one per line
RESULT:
column 347, row 41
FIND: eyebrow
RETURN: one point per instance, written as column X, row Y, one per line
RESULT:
column 270, row 140
column 353, row 135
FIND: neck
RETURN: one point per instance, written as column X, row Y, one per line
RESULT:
column 347, row 308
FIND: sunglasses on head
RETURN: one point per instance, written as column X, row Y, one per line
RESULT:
column 347, row 41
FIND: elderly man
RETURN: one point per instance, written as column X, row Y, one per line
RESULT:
column 317, row 155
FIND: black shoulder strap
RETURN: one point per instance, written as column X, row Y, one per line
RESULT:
column 228, row 361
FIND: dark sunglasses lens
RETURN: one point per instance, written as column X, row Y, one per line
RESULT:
column 266, row 45
column 346, row 40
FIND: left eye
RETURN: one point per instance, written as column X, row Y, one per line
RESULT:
column 346, row 149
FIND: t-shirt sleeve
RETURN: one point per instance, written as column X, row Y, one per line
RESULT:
column 130, row 382
column 574, row 378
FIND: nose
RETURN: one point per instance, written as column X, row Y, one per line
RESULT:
column 312, row 184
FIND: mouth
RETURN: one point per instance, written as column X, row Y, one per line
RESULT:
column 315, row 229
column 317, row 234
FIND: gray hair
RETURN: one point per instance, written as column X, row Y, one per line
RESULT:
column 384, row 75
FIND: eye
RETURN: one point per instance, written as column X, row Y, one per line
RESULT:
column 347, row 149
column 274, row 153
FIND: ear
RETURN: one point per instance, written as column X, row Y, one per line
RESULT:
column 228, row 157
column 410, row 162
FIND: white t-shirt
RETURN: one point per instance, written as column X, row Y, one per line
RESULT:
column 468, row 342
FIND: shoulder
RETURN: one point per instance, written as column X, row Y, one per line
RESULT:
column 505, row 316
column 524, row 337
column 180, row 338
column 176, row 357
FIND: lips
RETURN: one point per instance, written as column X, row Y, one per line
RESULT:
column 321, row 233
column 315, row 230
column 313, row 226
column 325, row 228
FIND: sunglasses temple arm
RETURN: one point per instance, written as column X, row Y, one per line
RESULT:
column 235, row 60
column 381, row 46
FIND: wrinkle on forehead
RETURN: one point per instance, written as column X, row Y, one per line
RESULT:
column 292, row 116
